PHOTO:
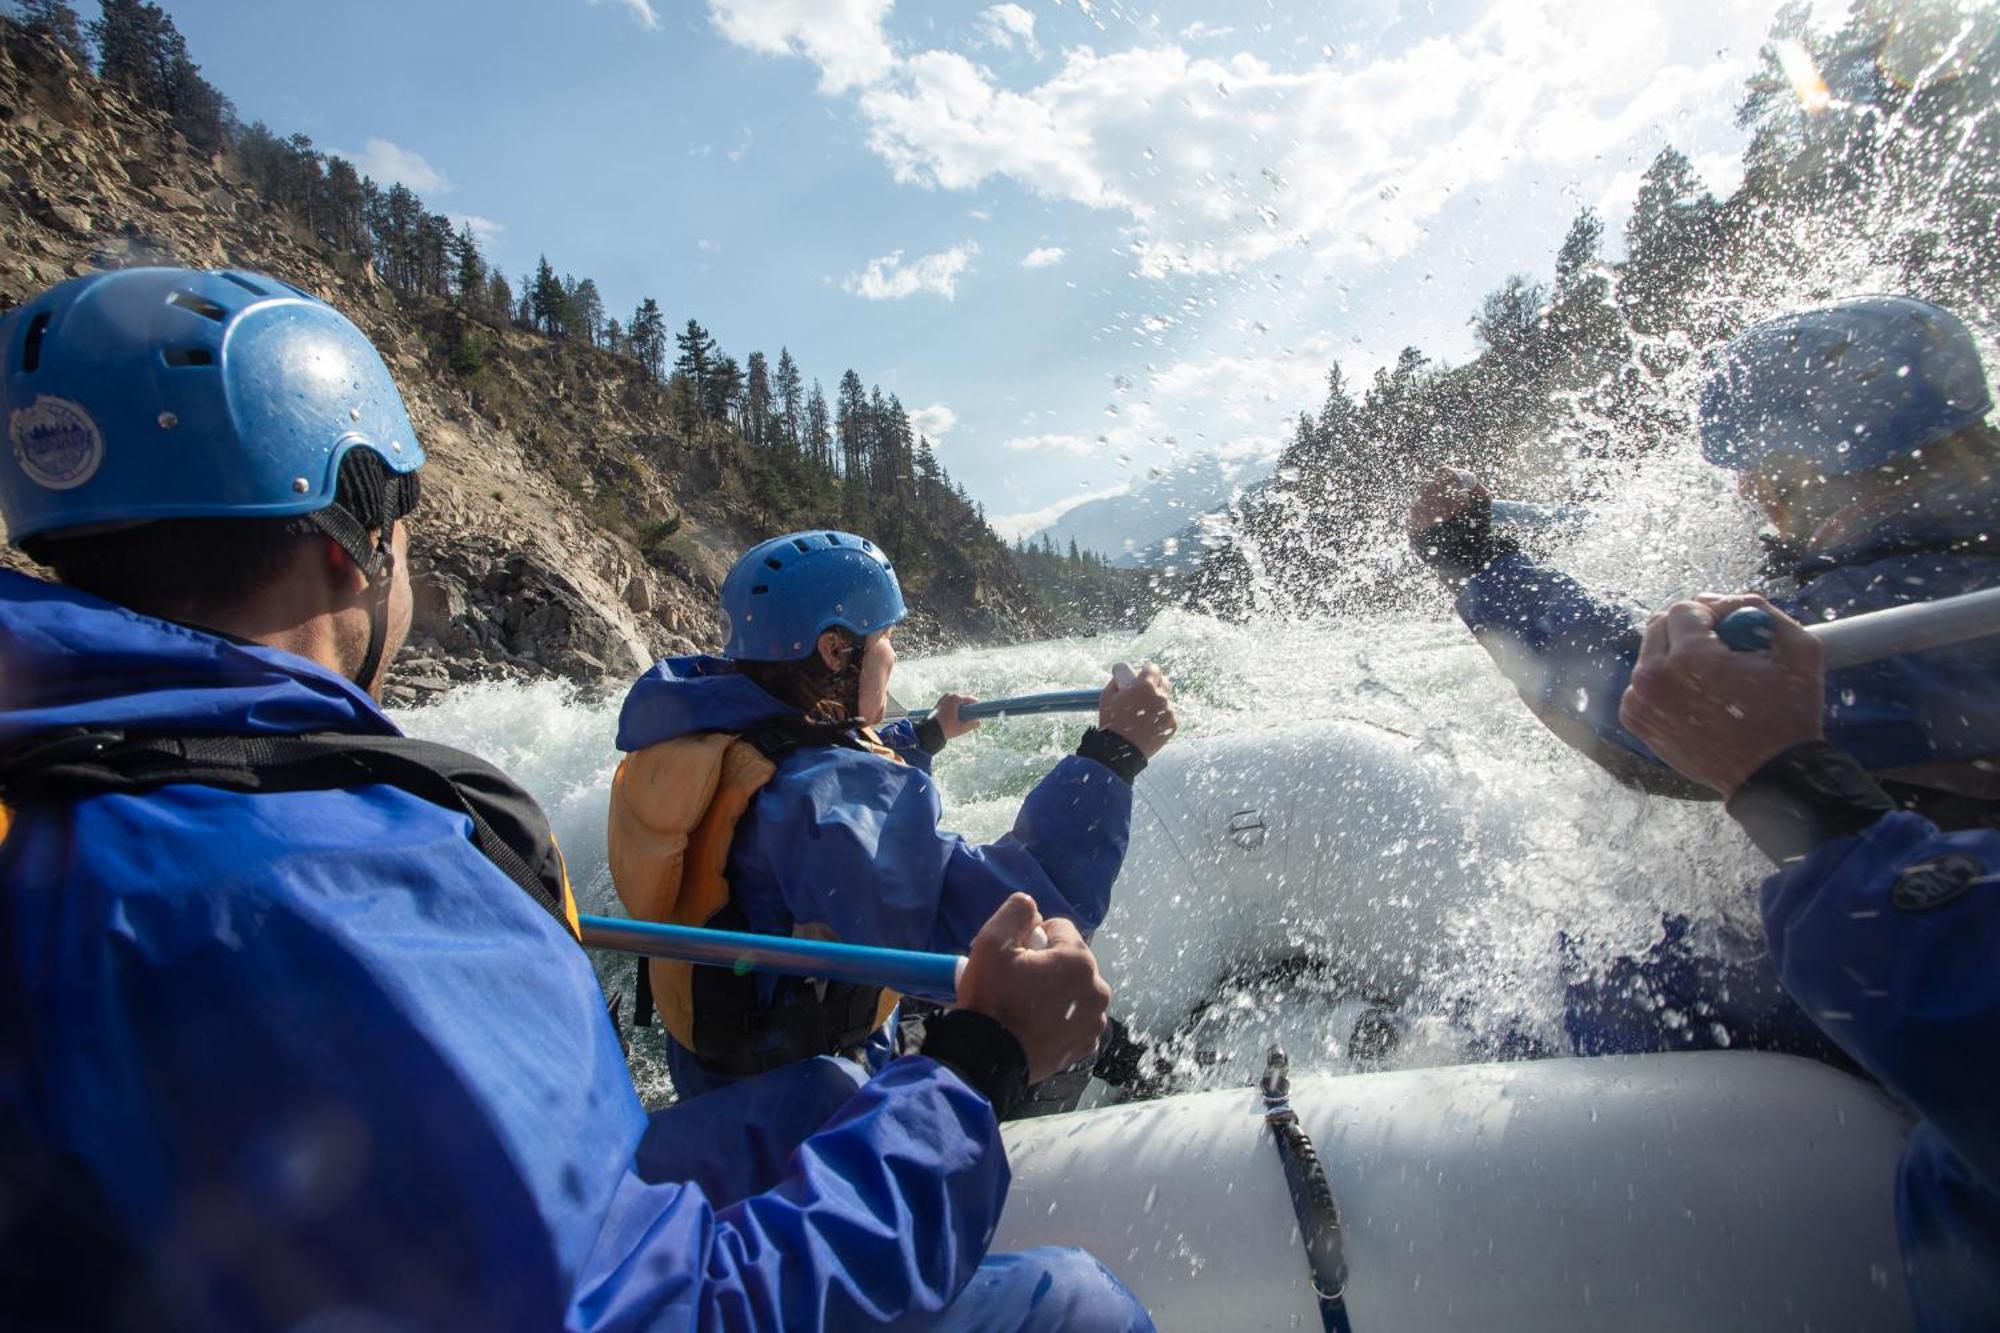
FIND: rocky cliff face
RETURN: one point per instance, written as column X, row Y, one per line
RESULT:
column 565, row 531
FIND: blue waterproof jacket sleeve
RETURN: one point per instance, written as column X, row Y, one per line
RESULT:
column 1888, row 940
column 882, row 1215
column 1568, row 652
column 1570, row 655
column 901, row 736
column 851, row 841
column 354, row 1042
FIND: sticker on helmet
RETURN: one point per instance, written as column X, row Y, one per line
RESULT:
column 56, row 443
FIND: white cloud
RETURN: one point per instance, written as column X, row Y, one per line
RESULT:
column 843, row 37
column 1076, row 446
column 1008, row 26
column 707, row 246
column 1200, row 30
column 1045, row 256
column 484, row 230
column 1012, row 527
column 936, row 421
column 1220, row 163
column 386, row 162
column 642, row 10
column 888, row 278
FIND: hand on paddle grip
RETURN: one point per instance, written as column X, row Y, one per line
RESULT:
column 1048, row 994
column 1138, row 706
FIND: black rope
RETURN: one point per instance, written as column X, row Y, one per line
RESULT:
column 1312, row 1197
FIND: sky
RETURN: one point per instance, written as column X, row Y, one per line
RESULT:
column 1080, row 239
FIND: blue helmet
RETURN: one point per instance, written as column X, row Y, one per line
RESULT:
column 157, row 393
column 1848, row 386
column 784, row 593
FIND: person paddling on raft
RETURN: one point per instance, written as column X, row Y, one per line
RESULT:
column 1883, row 925
column 1859, row 429
column 762, row 790
column 295, row 1031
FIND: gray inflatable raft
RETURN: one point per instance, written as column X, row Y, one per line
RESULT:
column 1687, row 1193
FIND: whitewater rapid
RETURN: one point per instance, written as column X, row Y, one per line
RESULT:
column 1423, row 845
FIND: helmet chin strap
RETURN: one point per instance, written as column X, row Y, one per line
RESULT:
column 373, row 555
column 379, row 571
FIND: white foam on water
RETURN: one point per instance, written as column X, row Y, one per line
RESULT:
column 1440, row 839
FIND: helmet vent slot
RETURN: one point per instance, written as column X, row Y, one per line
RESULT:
column 201, row 306
column 31, row 346
column 760, row 589
column 188, row 356
column 800, row 542
column 772, row 563
column 245, row 284
column 833, row 539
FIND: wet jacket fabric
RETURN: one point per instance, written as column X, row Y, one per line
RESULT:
column 1571, row 653
column 849, row 841
column 1888, row 939
column 308, row 1059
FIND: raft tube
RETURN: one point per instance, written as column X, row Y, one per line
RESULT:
column 1338, row 839
column 1713, row 1191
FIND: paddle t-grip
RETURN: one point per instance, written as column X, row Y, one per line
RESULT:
column 1748, row 629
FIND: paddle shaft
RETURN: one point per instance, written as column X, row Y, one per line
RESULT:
column 932, row 975
column 1024, row 705
column 1877, row 634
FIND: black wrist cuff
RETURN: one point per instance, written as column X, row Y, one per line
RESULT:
column 1113, row 751
column 982, row 1052
column 1463, row 544
column 930, row 735
column 1809, row 795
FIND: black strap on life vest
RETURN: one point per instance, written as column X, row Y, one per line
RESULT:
column 1312, row 1197
column 736, row 1031
column 507, row 826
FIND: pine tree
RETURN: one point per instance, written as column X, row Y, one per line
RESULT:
column 548, row 303
column 697, row 353
column 471, row 279
column 723, row 390
column 791, row 400
column 851, row 423
column 1579, row 252
column 584, row 310
column 140, row 50
column 57, row 19
column 647, row 337
column 499, row 296
column 819, row 430
column 1668, row 242
column 759, row 416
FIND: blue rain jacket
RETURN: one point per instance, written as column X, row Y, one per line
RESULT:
column 308, row 1059
column 1571, row 654
column 850, row 841
column 1908, row 985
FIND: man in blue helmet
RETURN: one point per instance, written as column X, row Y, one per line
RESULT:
column 1860, row 430
column 1883, row 926
column 763, row 791
column 294, row 1028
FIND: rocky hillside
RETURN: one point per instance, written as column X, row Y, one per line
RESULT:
column 568, row 528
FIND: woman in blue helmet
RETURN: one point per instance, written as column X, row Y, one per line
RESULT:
column 763, row 791
column 284, row 1043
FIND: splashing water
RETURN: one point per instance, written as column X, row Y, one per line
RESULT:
column 1362, row 844
column 1415, row 847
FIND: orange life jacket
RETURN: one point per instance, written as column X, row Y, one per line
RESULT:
column 675, row 806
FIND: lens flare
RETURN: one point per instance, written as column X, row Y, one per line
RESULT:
column 1803, row 75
